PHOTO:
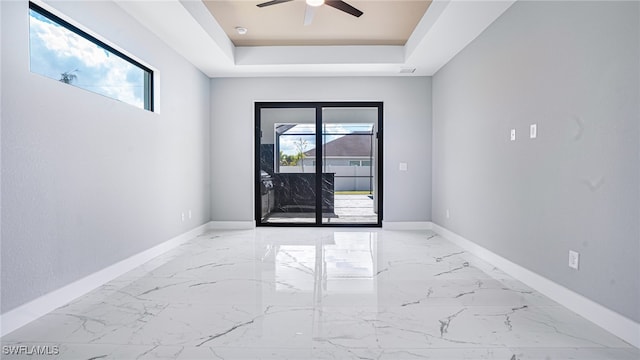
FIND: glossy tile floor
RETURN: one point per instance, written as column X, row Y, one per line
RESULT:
column 275, row 293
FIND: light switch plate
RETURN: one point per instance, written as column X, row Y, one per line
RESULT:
column 513, row 134
column 533, row 131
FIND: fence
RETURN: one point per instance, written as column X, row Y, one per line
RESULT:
column 347, row 178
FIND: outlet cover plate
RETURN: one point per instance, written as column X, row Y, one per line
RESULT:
column 574, row 259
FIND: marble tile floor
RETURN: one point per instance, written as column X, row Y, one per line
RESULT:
column 315, row 293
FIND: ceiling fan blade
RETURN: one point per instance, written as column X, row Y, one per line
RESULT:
column 272, row 2
column 341, row 5
column 308, row 14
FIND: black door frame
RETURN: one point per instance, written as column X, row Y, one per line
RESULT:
column 318, row 106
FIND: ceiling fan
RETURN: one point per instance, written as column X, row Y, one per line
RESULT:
column 312, row 5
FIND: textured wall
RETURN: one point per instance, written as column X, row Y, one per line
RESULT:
column 573, row 69
column 88, row 181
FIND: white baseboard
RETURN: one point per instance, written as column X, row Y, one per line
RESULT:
column 232, row 225
column 34, row 309
column 407, row 225
column 621, row 326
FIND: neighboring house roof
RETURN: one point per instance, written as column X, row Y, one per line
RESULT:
column 355, row 144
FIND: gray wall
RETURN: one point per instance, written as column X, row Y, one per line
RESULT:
column 88, row 181
column 407, row 131
column 572, row 68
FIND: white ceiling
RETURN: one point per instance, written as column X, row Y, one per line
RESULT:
column 444, row 30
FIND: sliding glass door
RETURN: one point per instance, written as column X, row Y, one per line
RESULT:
column 301, row 183
column 349, row 150
column 287, row 185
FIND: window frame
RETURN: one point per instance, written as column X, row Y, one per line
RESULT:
column 148, row 97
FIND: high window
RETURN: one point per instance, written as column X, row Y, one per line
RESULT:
column 61, row 51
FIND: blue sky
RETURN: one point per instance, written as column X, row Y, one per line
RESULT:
column 56, row 50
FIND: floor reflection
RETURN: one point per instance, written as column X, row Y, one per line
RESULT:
column 345, row 263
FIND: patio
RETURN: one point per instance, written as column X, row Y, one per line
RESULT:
column 349, row 209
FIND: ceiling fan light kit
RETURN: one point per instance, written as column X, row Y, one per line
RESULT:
column 336, row 4
column 315, row 2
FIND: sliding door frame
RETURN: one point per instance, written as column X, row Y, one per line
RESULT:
column 318, row 106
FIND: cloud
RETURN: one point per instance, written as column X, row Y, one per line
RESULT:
column 288, row 143
column 60, row 50
column 68, row 44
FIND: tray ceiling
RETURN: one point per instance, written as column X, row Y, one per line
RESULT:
column 392, row 38
column 384, row 22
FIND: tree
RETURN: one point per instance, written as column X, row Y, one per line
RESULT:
column 68, row 77
column 288, row 160
column 301, row 145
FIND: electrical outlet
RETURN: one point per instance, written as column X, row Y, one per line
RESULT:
column 403, row 166
column 182, row 217
column 574, row 259
column 513, row 134
column 533, row 131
